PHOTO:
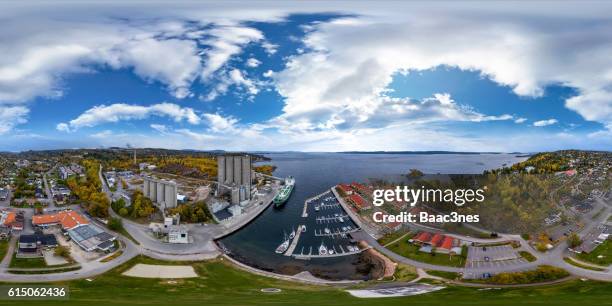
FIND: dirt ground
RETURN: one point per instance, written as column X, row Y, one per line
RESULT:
column 157, row 271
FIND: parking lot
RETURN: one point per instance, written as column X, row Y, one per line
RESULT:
column 493, row 257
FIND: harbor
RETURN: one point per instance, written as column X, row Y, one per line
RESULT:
column 326, row 232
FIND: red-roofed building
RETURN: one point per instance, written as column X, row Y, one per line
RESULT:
column 359, row 202
column 436, row 239
column 571, row 172
column 423, row 237
column 11, row 220
column 68, row 219
column 364, row 190
column 394, row 226
column 447, row 244
column 346, row 189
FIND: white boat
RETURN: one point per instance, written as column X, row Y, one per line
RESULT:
column 331, row 252
column 341, row 219
column 317, row 208
column 292, row 235
column 303, row 228
column 282, row 247
column 350, row 248
column 322, row 249
column 327, row 231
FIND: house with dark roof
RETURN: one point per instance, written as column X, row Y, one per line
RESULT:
column 32, row 245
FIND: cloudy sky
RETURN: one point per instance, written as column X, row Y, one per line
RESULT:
column 310, row 76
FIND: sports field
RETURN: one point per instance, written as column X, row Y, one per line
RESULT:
column 221, row 284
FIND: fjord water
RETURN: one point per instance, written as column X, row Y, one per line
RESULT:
column 317, row 172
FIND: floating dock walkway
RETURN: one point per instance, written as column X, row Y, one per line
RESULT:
column 337, row 253
column 294, row 242
column 307, row 201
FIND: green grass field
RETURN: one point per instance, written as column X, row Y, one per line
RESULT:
column 3, row 248
column 393, row 236
column 409, row 250
column 604, row 250
column 527, row 256
column 222, row 284
column 37, row 262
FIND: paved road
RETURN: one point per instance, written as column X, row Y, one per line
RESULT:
column 48, row 189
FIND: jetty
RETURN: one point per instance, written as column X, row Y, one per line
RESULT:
column 337, row 253
column 307, row 201
column 294, row 242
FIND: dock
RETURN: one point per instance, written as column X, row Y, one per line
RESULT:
column 321, row 233
column 305, row 211
column 294, row 242
column 336, row 254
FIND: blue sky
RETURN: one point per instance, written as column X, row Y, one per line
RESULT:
column 306, row 76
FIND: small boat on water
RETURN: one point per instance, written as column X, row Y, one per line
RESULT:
column 327, row 231
column 322, row 249
column 292, row 235
column 341, row 219
column 282, row 248
column 331, row 252
column 317, row 208
column 303, row 228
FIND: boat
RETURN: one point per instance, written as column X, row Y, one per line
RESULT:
column 341, row 219
column 322, row 249
column 282, row 247
column 292, row 234
column 331, row 252
column 303, row 228
column 317, row 208
column 327, row 231
column 281, row 198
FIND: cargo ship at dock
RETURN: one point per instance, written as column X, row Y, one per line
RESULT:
column 281, row 198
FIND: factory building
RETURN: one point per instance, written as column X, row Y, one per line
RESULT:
column 234, row 175
column 161, row 192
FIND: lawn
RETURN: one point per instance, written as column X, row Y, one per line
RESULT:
column 37, row 262
column 579, row 265
column 221, row 284
column 3, row 248
column 409, row 250
column 444, row 274
column 604, row 250
column 527, row 256
column 393, row 236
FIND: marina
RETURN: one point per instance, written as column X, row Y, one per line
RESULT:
column 330, row 230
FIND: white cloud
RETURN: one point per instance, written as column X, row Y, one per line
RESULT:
column 159, row 127
column 219, row 124
column 225, row 42
column 545, row 122
column 120, row 111
column 11, row 116
column 270, row 48
column 102, row 134
column 253, row 62
column 520, row 120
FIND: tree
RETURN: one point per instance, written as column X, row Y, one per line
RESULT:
column 115, row 224
column 123, row 212
column 574, row 240
column 414, row 173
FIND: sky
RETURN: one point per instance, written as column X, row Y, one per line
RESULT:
column 306, row 75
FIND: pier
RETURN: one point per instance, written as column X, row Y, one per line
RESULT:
column 294, row 242
column 321, row 233
column 307, row 201
column 336, row 254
